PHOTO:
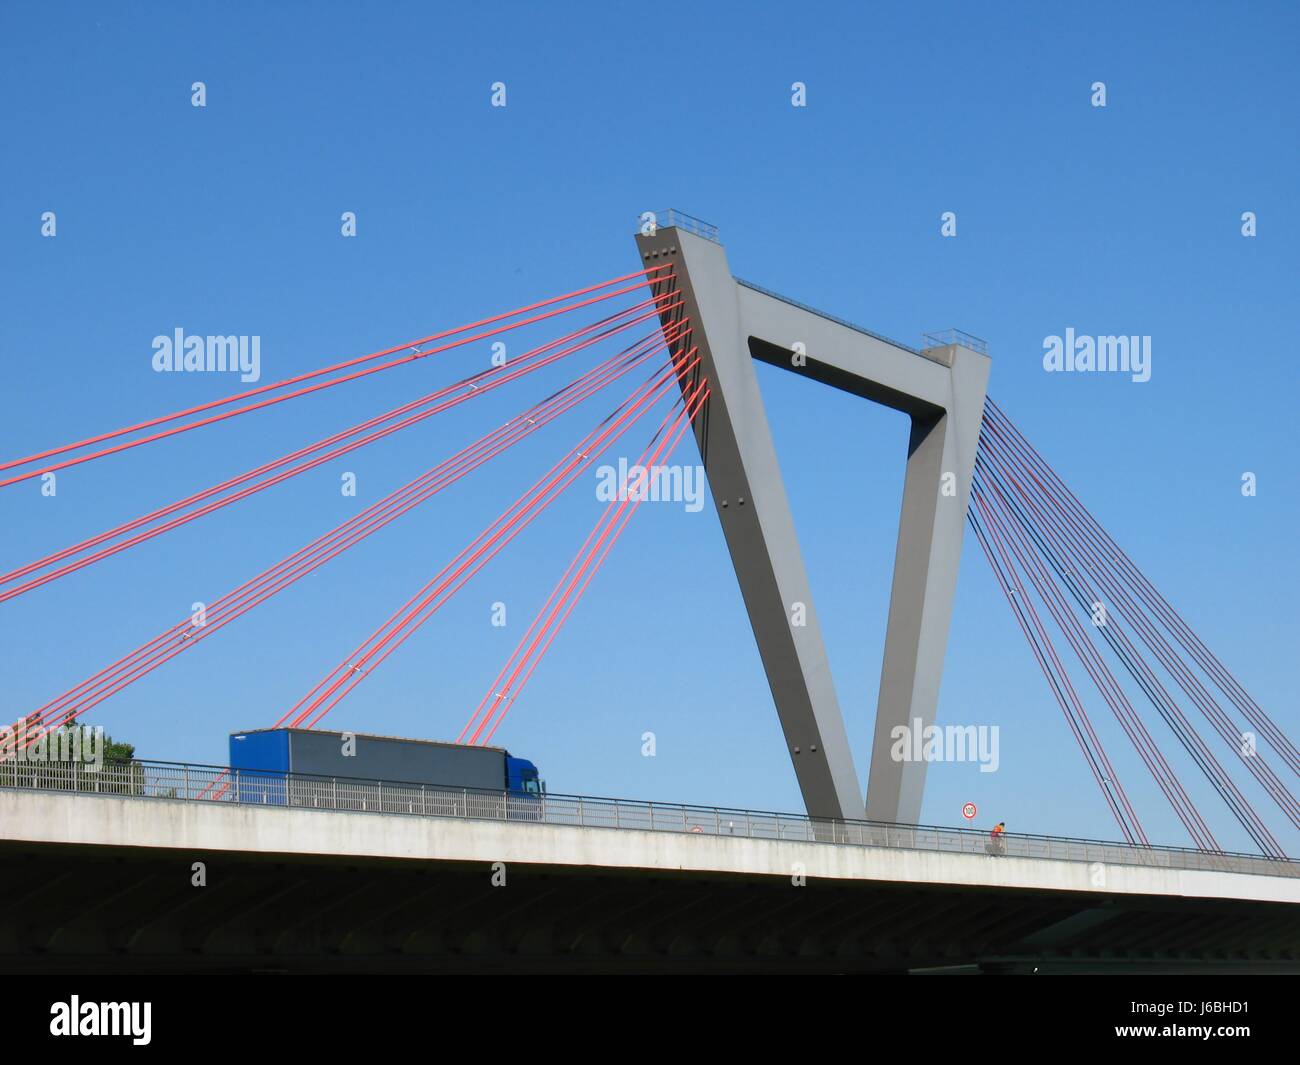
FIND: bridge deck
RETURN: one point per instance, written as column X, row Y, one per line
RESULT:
column 178, row 805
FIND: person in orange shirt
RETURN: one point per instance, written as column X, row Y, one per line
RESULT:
column 998, row 844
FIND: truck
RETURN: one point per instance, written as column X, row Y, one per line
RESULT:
column 343, row 770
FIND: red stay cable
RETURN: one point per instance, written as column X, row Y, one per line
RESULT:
column 512, row 521
column 94, row 541
column 302, row 391
column 591, row 556
column 63, row 449
column 517, row 368
column 178, row 637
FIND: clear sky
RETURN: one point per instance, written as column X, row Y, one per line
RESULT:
column 226, row 219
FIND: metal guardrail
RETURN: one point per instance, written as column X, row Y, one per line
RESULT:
column 202, row 783
column 944, row 337
column 681, row 220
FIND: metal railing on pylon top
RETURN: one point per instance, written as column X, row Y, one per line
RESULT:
column 675, row 219
column 944, row 337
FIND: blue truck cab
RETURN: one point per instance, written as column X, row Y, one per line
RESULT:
column 522, row 777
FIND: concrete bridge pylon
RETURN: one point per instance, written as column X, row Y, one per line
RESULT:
column 941, row 388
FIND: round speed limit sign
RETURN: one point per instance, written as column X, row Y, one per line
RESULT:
column 968, row 811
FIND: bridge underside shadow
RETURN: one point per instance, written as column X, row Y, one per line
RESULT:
column 76, row 908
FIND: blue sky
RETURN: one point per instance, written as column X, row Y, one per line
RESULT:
column 225, row 219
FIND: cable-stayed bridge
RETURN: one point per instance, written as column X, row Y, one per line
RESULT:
column 673, row 345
